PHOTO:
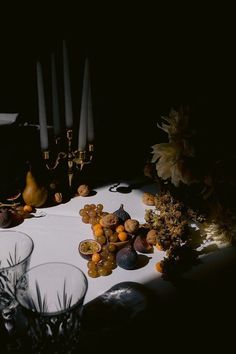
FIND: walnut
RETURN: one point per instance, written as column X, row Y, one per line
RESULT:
column 58, row 197
column 83, row 190
column 110, row 220
column 131, row 225
column 148, row 199
column 152, row 237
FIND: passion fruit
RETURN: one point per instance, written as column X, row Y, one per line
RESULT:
column 88, row 247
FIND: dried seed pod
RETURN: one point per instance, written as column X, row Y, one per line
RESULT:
column 83, row 190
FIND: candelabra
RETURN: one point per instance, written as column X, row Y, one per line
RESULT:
column 75, row 159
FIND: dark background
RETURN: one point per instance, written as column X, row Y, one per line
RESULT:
column 143, row 61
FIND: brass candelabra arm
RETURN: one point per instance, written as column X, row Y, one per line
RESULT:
column 82, row 158
column 49, row 163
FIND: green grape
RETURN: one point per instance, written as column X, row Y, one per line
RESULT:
column 104, row 271
column 104, row 254
column 92, row 221
column 93, row 273
column 82, row 212
column 111, row 248
column 108, row 265
column 113, row 238
column 91, row 265
column 85, row 219
column 101, row 239
column 111, row 257
column 99, row 207
column 92, row 213
column 107, row 232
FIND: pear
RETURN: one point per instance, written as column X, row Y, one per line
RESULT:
column 33, row 194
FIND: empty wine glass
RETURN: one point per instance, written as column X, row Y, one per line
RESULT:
column 51, row 297
column 15, row 252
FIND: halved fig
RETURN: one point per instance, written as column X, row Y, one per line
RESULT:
column 88, row 247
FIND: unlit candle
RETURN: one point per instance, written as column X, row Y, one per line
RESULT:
column 55, row 99
column 90, row 113
column 67, row 89
column 42, row 109
column 82, row 138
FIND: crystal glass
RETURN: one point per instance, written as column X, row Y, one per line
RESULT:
column 51, row 297
column 15, row 252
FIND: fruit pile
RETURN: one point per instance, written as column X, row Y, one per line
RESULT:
column 117, row 239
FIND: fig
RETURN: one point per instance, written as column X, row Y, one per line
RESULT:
column 141, row 245
column 5, row 218
column 88, row 247
column 127, row 258
column 122, row 214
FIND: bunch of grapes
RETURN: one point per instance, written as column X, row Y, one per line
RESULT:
column 102, row 263
column 91, row 213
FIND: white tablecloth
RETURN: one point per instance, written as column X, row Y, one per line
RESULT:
column 57, row 235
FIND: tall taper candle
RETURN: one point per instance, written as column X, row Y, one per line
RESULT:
column 42, row 109
column 90, row 113
column 67, row 89
column 82, row 138
column 55, row 99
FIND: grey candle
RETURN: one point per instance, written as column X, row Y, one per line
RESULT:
column 67, row 89
column 90, row 114
column 55, row 99
column 42, row 109
column 82, row 138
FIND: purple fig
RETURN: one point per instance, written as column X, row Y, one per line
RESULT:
column 127, row 257
column 141, row 245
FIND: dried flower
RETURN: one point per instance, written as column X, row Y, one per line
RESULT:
column 171, row 158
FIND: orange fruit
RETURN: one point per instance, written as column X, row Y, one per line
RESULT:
column 122, row 236
column 96, row 257
column 27, row 208
column 98, row 232
column 158, row 246
column 120, row 228
column 159, row 267
column 97, row 226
